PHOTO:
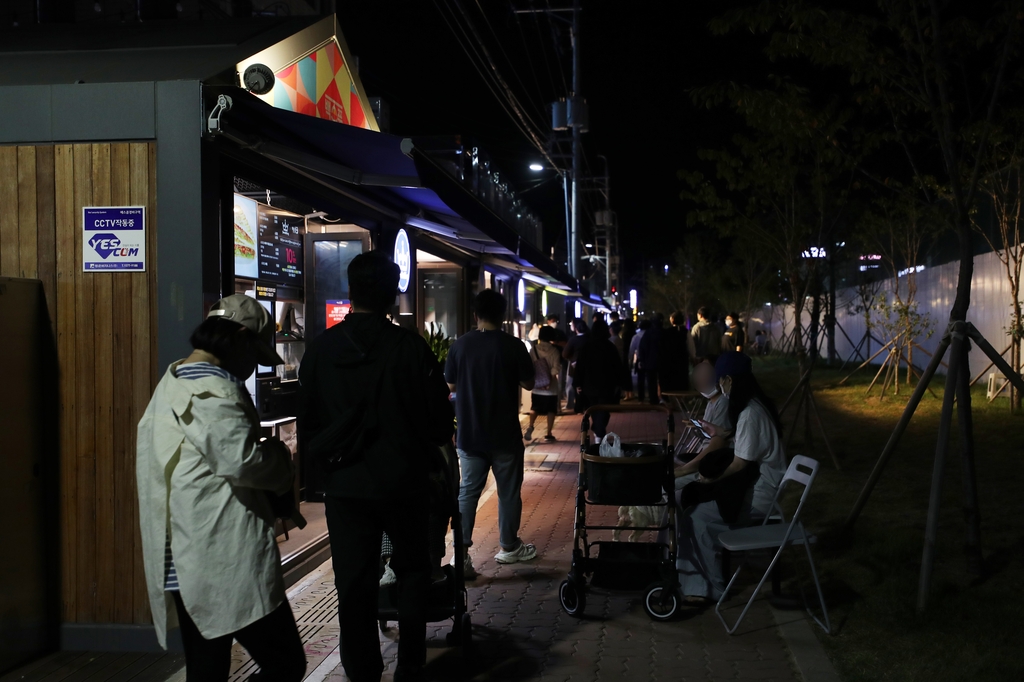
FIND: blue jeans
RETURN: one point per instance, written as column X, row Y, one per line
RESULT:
column 508, row 478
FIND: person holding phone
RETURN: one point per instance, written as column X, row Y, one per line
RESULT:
column 716, row 413
column 750, row 475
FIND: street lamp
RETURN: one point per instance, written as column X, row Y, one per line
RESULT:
column 535, row 167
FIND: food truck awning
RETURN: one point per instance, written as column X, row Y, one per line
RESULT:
column 391, row 169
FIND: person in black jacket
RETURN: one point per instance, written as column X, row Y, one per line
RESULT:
column 600, row 376
column 650, row 357
column 675, row 355
column 384, row 385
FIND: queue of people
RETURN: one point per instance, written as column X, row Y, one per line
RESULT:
column 211, row 489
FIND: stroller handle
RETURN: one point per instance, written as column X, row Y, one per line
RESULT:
column 670, row 420
column 628, row 408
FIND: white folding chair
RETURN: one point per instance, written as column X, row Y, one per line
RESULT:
column 778, row 535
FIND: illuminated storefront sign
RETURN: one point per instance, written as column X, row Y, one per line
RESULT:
column 403, row 258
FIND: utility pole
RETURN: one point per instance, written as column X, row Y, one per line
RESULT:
column 606, row 221
column 574, row 111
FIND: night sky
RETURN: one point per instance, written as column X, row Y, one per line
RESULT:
column 639, row 62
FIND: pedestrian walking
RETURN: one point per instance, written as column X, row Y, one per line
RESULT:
column 204, row 479
column 569, row 354
column 485, row 369
column 600, row 376
column 634, row 366
column 552, row 320
column 547, row 365
column 374, row 409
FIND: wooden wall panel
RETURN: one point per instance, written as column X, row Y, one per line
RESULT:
column 9, row 249
column 122, row 426
column 103, row 292
column 106, row 337
column 46, row 233
column 85, row 375
column 67, row 267
column 27, row 229
column 144, row 310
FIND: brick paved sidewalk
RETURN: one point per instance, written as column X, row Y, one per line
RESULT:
column 520, row 630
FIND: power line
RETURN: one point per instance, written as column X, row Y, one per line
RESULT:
column 529, row 134
column 509, row 94
column 511, row 65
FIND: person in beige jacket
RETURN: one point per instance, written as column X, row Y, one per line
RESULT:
column 204, row 474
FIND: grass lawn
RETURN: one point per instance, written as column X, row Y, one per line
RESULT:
column 972, row 629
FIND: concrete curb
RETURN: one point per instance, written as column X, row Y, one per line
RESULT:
column 807, row 651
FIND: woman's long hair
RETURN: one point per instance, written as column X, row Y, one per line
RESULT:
column 744, row 389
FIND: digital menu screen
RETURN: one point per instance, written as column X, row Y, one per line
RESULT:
column 280, row 243
column 245, row 237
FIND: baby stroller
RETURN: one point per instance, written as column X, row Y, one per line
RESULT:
column 644, row 476
column 448, row 598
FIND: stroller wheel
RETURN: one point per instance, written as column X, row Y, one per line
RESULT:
column 467, row 632
column 661, row 602
column 573, row 598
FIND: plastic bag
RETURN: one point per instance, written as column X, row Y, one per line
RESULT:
column 611, row 445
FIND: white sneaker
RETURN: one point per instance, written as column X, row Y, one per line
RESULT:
column 389, row 577
column 523, row 552
column 468, row 572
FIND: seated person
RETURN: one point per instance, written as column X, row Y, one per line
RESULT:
column 716, row 412
column 757, row 442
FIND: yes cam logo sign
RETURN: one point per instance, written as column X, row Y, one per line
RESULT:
column 113, row 238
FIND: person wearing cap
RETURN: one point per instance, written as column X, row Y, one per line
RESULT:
column 207, row 525
column 751, row 478
column 368, row 365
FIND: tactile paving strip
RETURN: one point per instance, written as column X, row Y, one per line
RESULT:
column 316, row 612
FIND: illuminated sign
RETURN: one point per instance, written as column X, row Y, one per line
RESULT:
column 910, row 271
column 632, row 299
column 280, row 251
column 578, row 310
column 544, row 303
column 521, row 296
column 403, row 258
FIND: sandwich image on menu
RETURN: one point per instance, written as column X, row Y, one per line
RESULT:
column 245, row 237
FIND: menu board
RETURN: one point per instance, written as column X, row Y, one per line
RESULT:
column 280, row 244
column 245, row 237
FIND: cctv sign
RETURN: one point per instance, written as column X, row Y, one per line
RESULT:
column 113, row 238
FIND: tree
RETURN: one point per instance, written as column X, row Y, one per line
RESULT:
column 744, row 282
column 926, row 76
column 899, row 228
column 780, row 188
column 925, row 73
column 691, row 280
column 1002, row 185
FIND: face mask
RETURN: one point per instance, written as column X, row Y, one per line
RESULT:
column 710, row 394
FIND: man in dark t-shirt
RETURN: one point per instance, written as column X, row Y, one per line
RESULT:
column 485, row 369
column 734, row 337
